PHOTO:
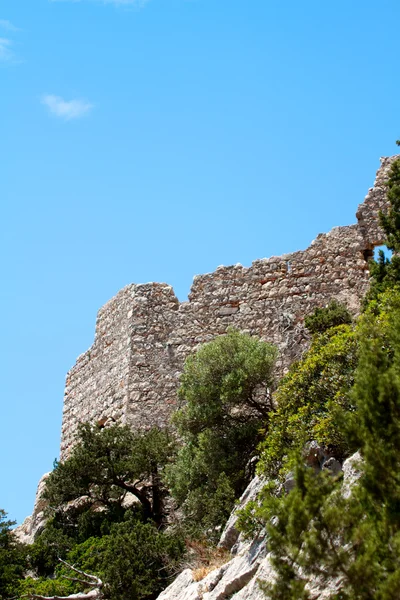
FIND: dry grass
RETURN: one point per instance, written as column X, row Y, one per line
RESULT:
column 203, row 559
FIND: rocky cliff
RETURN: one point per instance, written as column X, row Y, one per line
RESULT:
column 239, row 578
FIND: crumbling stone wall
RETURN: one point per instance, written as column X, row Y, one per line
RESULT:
column 124, row 363
column 375, row 201
column 144, row 334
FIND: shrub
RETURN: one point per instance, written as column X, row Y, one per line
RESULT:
column 316, row 533
column 307, row 400
column 331, row 316
column 226, row 388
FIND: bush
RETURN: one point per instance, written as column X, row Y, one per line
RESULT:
column 318, row 534
column 135, row 561
column 331, row 316
column 12, row 559
column 125, row 547
column 307, row 400
column 49, row 546
column 138, row 561
column 226, row 387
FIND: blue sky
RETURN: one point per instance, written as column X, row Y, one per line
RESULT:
column 152, row 141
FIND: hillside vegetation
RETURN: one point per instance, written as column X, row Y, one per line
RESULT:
column 129, row 508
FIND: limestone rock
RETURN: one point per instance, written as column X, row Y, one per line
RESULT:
column 239, row 579
column 351, row 473
column 253, row 591
column 237, row 573
column 33, row 525
column 289, row 483
column 316, row 456
column 332, row 465
column 230, row 535
column 223, row 582
column 180, row 588
column 229, row 579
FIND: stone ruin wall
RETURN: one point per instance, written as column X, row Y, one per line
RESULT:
column 143, row 335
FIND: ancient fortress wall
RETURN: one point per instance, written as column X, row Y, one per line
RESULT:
column 143, row 335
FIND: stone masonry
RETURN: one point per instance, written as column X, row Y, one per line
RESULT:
column 143, row 334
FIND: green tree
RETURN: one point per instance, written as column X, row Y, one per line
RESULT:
column 134, row 561
column 307, row 399
column 138, row 560
column 92, row 528
column 107, row 463
column 317, row 531
column 12, row 559
column 390, row 221
column 225, row 390
column 48, row 547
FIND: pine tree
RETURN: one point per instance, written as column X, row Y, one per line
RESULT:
column 317, row 533
column 12, row 559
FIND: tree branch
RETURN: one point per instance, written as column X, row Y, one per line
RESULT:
column 97, row 581
column 92, row 595
column 93, row 581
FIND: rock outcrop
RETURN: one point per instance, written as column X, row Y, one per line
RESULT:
column 229, row 581
column 34, row 524
column 239, row 579
column 230, row 534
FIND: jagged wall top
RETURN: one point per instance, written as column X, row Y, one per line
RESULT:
column 375, row 201
column 144, row 334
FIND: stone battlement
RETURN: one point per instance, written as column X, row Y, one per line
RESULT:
column 144, row 334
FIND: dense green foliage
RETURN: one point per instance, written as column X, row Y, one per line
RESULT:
column 346, row 539
column 91, row 525
column 135, row 561
column 226, row 391
column 227, row 380
column 307, row 400
column 51, row 545
column 108, row 463
column 12, row 559
column 138, row 561
column 317, row 531
column 324, row 318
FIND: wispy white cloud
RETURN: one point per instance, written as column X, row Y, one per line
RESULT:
column 66, row 109
column 7, row 25
column 6, row 54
